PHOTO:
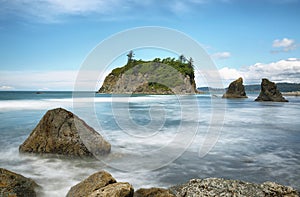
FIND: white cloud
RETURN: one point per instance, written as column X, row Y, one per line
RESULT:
column 52, row 80
column 39, row 80
column 281, row 71
column 4, row 87
column 52, row 11
column 221, row 55
column 284, row 44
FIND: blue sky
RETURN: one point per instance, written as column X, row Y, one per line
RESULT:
column 44, row 42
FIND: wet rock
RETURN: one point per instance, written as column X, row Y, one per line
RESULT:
column 153, row 192
column 269, row 92
column 236, row 89
column 62, row 132
column 222, row 187
column 114, row 190
column 16, row 185
column 101, row 184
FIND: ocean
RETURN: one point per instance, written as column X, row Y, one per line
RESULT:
column 159, row 140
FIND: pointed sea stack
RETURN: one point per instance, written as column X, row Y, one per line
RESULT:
column 236, row 89
column 61, row 132
column 269, row 92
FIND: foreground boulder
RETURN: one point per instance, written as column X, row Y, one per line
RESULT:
column 151, row 192
column 62, row 132
column 221, row 187
column 236, row 89
column 13, row 184
column 101, row 184
column 269, row 92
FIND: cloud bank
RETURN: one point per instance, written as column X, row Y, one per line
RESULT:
column 280, row 71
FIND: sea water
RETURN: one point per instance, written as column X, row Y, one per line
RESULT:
column 159, row 140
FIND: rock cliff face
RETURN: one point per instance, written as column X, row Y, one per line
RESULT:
column 236, row 89
column 62, row 132
column 101, row 184
column 13, row 184
column 148, row 78
column 269, row 92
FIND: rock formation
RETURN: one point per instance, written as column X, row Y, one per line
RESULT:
column 269, row 92
column 236, row 89
column 62, row 132
column 221, row 187
column 13, row 184
column 140, row 77
column 153, row 192
column 101, row 184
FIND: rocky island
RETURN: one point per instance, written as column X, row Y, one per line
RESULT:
column 159, row 76
column 269, row 92
column 236, row 89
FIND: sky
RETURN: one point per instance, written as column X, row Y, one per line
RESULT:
column 45, row 42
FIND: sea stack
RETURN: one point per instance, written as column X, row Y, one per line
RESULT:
column 61, row 132
column 167, row 76
column 236, row 89
column 269, row 92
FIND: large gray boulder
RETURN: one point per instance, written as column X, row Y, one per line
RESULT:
column 269, row 92
column 101, row 184
column 13, row 184
column 236, row 89
column 222, row 187
column 62, row 132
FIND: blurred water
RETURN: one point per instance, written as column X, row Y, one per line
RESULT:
column 258, row 141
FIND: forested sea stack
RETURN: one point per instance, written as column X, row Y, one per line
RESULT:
column 159, row 76
column 269, row 92
column 236, row 89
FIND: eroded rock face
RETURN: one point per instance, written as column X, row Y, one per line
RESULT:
column 236, row 89
column 101, row 184
column 62, row 132
column 13, row 184
column 221, row 187
column 269, row 92
column 153, row 192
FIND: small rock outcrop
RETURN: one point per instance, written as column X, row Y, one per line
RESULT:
column 269, row 92
column 236, row 89
column 101, row 184
column 221, row 187
column 62, row 132
column 151, row 192
column 13, row 184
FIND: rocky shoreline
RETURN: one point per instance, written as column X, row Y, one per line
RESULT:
column 57, row 129
column 103, row 184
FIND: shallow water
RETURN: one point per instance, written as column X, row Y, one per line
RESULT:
column 156, row 139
